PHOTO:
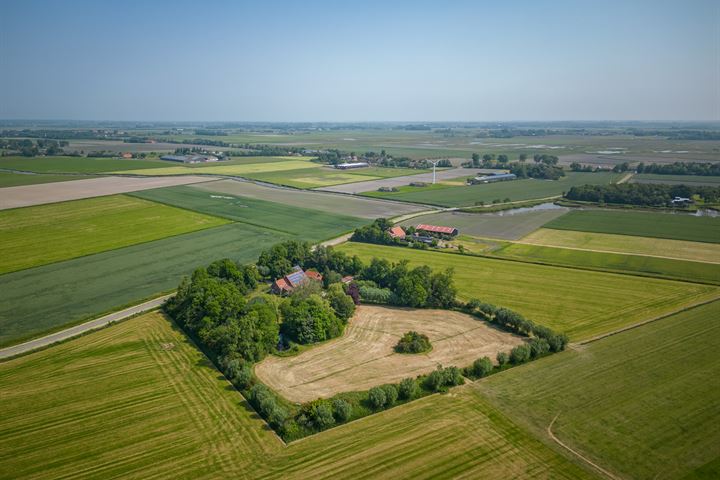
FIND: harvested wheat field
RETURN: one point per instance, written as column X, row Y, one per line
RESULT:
column 364, row 356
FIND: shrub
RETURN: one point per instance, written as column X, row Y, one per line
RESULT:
column 317, row 415
column 413, row 342
column 442, row 378
column 377, row 397
column 391, row 395
column 538, row 347
column 408, row 389
column 520, row 354
column 376, row 295
column 502, row 358
column 342, row 410
column 482, row 367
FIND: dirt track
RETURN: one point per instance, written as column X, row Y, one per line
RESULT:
column 27, row 195
column 364, row 356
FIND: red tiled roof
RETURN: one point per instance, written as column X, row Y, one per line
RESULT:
column 435, row 228
column 347, row 279
column 396, row 232
column 314, row 275
column 281, row 284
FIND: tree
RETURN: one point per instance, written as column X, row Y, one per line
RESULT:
column 318, row 414
column 475, row 160
column 519, row 354
column 413, row 342
column 342, row 410
column 310, row 320
column 502, row 158
column 502, row 358
column 482, row 367
column 408, row 389
column 522, row 157
column 377, row 397
column 343, row 304
column 391, row 395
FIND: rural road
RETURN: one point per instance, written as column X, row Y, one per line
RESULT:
column 82, row 328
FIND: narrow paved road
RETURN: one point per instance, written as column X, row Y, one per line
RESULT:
column 82, row 328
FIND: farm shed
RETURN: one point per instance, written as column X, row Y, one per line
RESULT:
column 501, row 177
column 438, row 230
column 349, row 165
column 396, row 232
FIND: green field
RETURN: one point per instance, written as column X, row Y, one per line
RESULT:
column 325, row 177
column 219, row 168
column 643, row 404
column 580, row 303
column 506, row 225
column 18, row 179
column 664, row 267
column 641, row 224
column 514, row 190
column 306, row 223
column 676, row 179
column 44, row 234
column 137, row 400
column 76, row 164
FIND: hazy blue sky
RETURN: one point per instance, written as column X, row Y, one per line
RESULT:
column 363, row 60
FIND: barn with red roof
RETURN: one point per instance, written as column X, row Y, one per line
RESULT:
column 437, row 230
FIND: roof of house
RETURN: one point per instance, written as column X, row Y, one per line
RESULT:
column 281, row 284
column 396, row 232
column 295, row 278
column 436, row 228
column 314, row 275
column 347, row 279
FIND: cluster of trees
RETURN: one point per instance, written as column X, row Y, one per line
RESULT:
column 307, row 317
column 514, row 322
column 655, row 195
column 538, row 170
column 676, row 134
column 544, row 166
column 376, row 232
column 619, row 168
column 681, row 168
column 29, row 148
column 413, row 342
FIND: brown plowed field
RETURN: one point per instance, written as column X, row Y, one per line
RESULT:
column 364, row 357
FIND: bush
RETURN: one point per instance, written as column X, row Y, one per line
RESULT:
column 538, row 347
column 502, row 358
column 520, row 354
column 442, row 378
column 482, row 367
column 408, row 389
column 376, row 295
column 342, row 410
column 413, row 342
column 391, row 395
column 317, row 415
column 377, row 397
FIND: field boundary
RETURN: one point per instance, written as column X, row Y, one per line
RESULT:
column 576, row 453
column 649, row 320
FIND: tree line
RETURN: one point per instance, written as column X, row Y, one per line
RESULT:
column 642, row 194
column 681, row 168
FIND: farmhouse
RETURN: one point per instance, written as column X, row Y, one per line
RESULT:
column 190, row 158
column 500, row 177
column 290, row 281
column 437, row 230
column 396, row 232
column 349, row 165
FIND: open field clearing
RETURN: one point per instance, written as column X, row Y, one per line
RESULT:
column 217, row 168
column 506, row 224
column 676, row 179
column 310, row 177
column 515, row 190
column 581, row 303
column 17, row 179
column 49, row 297
column 62, row 164
column 364, row 356
column 410, row 176
column 137, row 400
column 290, row 219
column 134, row 400
column 643, row 404
column 44, row 234
column 642, row 224
column 326, row 202
column 665, row 267
column 606, row 242
column 28, row 195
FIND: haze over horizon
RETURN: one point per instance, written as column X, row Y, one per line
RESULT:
column 320, row 61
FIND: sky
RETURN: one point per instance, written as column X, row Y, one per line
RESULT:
column 360, row 61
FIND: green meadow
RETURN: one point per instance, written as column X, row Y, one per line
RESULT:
column 64, row 164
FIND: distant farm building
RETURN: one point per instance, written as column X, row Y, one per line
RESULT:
column 289, row 282
column 500, row 177
column 349, row 165
column 126, row 155
column 437, row 230
column 347, row 279
column 681, row 201
column 190, row 158
column 396, row 232
column 422, row 239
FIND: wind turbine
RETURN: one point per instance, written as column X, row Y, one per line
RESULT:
column 434, row 165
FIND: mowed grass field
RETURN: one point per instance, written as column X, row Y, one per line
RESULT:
column 62, row 164
column 514, row 190
column 332, row 203
column 218, row 168
column 606, row 242
column 642, row 224
column 292, row 219
column 137, row 400
column 44, row 234
column 712, row 181
column 18, row 179
column 505, row 225
column 581, row 303
column 643, row 404
column 636, row 264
